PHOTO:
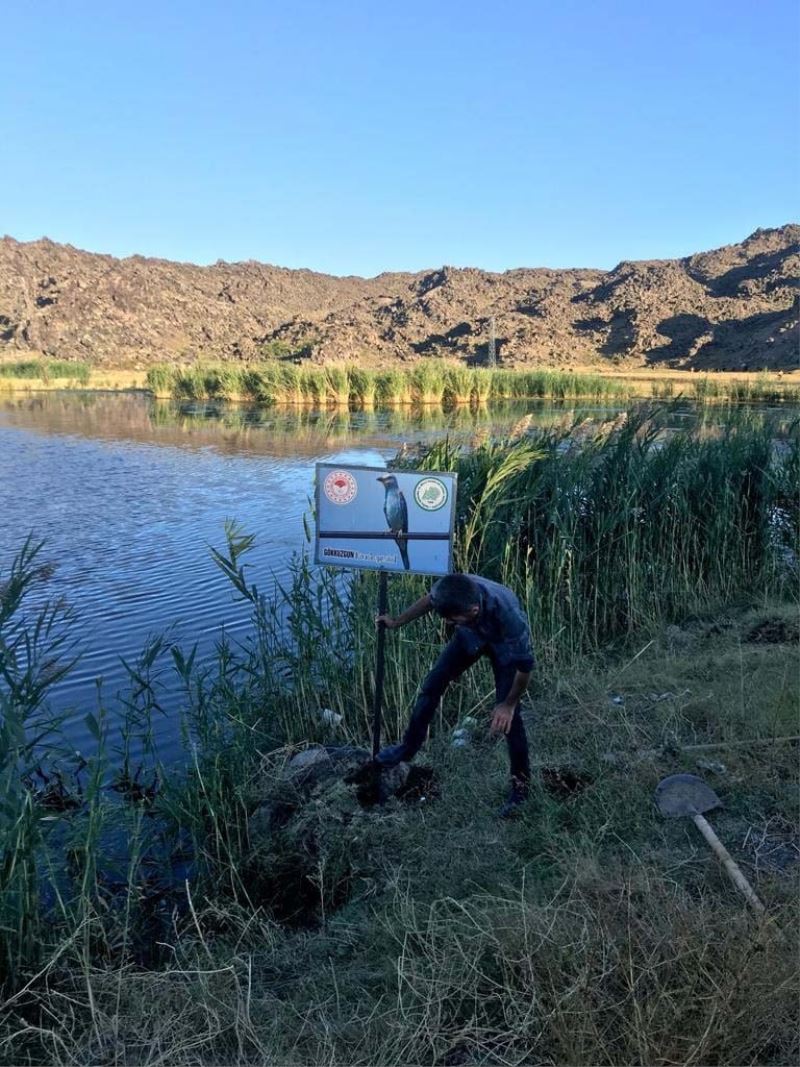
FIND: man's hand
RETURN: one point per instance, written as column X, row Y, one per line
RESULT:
column 418, row 608
column 501, row 719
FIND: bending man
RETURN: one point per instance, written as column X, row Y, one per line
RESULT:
column 489, row 621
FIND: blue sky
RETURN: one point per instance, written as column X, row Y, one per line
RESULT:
column 355, row 137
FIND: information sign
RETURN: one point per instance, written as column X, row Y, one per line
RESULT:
column 393, row 521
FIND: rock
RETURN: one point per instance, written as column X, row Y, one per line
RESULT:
column 734, row 306
column 321, row 762
column 307, row 758
column 677, row 638
column 774, row 632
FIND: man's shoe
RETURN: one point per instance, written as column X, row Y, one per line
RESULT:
column 391, row 755
column 512, row 807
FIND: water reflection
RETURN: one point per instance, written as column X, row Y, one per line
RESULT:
column 241, row 428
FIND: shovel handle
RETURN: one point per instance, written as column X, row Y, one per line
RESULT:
column 729, row 863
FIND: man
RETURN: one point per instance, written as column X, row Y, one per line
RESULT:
column 489, row 621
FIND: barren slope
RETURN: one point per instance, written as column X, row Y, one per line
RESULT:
column 730, row 309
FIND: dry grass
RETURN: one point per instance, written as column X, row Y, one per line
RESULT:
column 94, row 379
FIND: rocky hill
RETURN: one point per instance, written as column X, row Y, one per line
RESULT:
column 733, row 308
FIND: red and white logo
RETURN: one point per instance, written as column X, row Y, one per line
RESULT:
column 340, row 487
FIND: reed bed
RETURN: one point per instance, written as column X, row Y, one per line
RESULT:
column 590, row 933
column 45, row 370
column 428, row 383
column 392, row 388
column 363, row 389
column 432, row 382
column 608, row 532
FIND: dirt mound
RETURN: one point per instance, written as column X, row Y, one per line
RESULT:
column 774, row 632
column 735, row 308
column 314, row 815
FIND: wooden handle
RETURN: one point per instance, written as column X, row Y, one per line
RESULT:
column 728, row 862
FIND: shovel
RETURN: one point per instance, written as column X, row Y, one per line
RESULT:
column 686, row 794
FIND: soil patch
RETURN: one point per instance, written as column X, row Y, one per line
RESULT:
column 565, row 782
column 774, row 632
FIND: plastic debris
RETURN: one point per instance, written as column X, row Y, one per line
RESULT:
column 711, row 765
column 330, row 717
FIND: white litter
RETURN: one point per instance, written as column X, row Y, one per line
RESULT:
column 330, row 717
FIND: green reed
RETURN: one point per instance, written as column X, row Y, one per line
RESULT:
column 764, row 389
column 46, row 369
column 363, row 388
column 609, row 532
column 392, row 388
column 459, row 385
column 160, row 379
column 337, row 386
column 428, row 382
column 35, row 653
column 605, row 532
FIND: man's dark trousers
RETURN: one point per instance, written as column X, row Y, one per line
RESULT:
column 455, row 658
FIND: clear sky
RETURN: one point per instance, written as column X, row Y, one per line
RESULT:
column 354, row 136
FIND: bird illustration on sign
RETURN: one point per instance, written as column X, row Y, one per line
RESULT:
column 396, row 511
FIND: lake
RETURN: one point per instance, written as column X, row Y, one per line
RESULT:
column 129, row 494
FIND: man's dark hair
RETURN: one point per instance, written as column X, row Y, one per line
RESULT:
column 454, row 594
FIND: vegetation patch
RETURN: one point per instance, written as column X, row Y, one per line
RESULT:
column 46, row 370
column 431, row 382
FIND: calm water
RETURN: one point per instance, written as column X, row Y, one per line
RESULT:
column 129, row 493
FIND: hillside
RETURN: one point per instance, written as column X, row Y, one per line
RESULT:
column 734, row 308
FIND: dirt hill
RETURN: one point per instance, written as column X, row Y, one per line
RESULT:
column 733, row 308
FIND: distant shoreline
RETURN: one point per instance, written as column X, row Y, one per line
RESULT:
column 640, row 382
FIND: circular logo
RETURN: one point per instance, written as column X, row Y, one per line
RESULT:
column 430, row 494
column 340, row 487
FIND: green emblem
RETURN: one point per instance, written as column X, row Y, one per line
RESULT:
column 430, row 494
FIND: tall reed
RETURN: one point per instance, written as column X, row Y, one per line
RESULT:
column 161, row 380
column 392, row 388
column 459, row 385
column 337, row 385
column 46, row 369
column 363, row 388
column 428, row 382
column 607, row 532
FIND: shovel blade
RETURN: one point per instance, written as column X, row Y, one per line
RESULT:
column 685, row 794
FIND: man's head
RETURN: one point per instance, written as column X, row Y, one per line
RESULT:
column 456, row 598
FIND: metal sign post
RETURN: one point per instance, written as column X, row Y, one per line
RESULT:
column 379, row 665
column 370, row 518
